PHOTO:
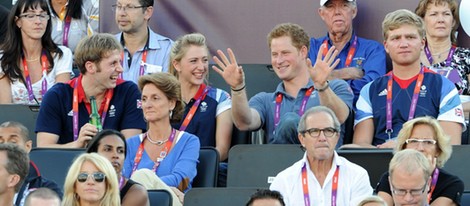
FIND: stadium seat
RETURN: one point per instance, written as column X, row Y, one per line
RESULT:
column 375, row 161
column 456, row 164
column 160, row 198
column 465, row 198
column 207, row 169
column 218, row 196
column 257, row 165
column 24, row 114
column 54, row 163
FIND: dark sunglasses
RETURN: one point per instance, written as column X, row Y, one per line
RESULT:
column 97, row 176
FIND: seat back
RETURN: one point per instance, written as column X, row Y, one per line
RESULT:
column 456, row 164
column 257, row 165
column 24, row 114
column 160, row 198
column 375, row 161
column 54, row 163
column 207, row 169
column 258, row 78
column 465, row 198
column 218, row 196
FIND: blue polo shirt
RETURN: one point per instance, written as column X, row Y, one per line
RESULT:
column 158, row 57
column 56, row 116
column 370, row 57
column 438, row 98
column 265, row 103
column 204, row 122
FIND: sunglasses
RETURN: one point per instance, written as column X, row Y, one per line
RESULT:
column 97, row 176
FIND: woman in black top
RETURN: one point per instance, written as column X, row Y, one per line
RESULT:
column 112, row 145
column 426, row 135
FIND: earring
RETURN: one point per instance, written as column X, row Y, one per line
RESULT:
column 171, row 113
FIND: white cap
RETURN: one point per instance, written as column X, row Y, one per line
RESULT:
column 323, row 2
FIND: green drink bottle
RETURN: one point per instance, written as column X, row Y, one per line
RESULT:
column 95, row 116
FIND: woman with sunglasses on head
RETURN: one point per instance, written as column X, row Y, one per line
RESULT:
column 112, row 145
column 30, row 61
column 72, row 20
column 426, row 135
column 91, row 181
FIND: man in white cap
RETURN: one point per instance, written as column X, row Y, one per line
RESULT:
column 362, row 60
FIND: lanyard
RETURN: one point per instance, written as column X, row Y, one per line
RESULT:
column 334, row 187
column 107, row 99
column 277, row 110
column 162, row 156
column 65, row 37
column 142, row 63
column 121, row 182
column 351, row 52
column 449, row 56
column 414, row 100
column 200, row 95
column 29, row 85
column 435, row 175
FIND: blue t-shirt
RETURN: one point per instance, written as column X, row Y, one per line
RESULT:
column 180, row 162
column 438, row 98
column 265, row 103
column 369, row 56
column 204, row 122
column 158, row 57
column 56, row 116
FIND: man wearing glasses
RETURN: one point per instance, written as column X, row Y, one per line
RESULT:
column 410, row 177
column 321, row 177
column 145, row 51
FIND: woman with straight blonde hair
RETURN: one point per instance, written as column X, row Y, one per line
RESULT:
column 91, row 181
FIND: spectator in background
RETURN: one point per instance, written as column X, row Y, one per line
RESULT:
column 163, row 157
column 72, row 20
column 410, row 90
column 145, row 51
column 3, row 24
column 207, row 113
column 91, row 180
column 65, row 112
column 410, row 178
column 441, row 53
column 42, row 197
column 426, row 135
column 302, row 86
column 31, row 63
column 362, row 60
column 321, row 177
column 112, row 145
column 16, row 133
column 264, row 197
column 13, row 170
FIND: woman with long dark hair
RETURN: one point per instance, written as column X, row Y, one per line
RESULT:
column 30, row 61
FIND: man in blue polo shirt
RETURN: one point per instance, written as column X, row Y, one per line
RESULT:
column 145, row 51
column 362, row 60
column 409, row 90
column 303, row 86
column 65, row 110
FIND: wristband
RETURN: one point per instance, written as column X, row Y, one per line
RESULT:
column 324, row 88
column 240, row 89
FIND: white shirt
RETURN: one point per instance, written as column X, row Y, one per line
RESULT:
column 353, row 184
column 19, row 92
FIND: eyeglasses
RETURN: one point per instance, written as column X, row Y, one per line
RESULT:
column 402, row 192
column 97, row 176
column 32, row 16
column 315, row 132
column 125, row 8
column 415, row 142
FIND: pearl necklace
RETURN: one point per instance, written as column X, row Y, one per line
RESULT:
column 156, row 142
